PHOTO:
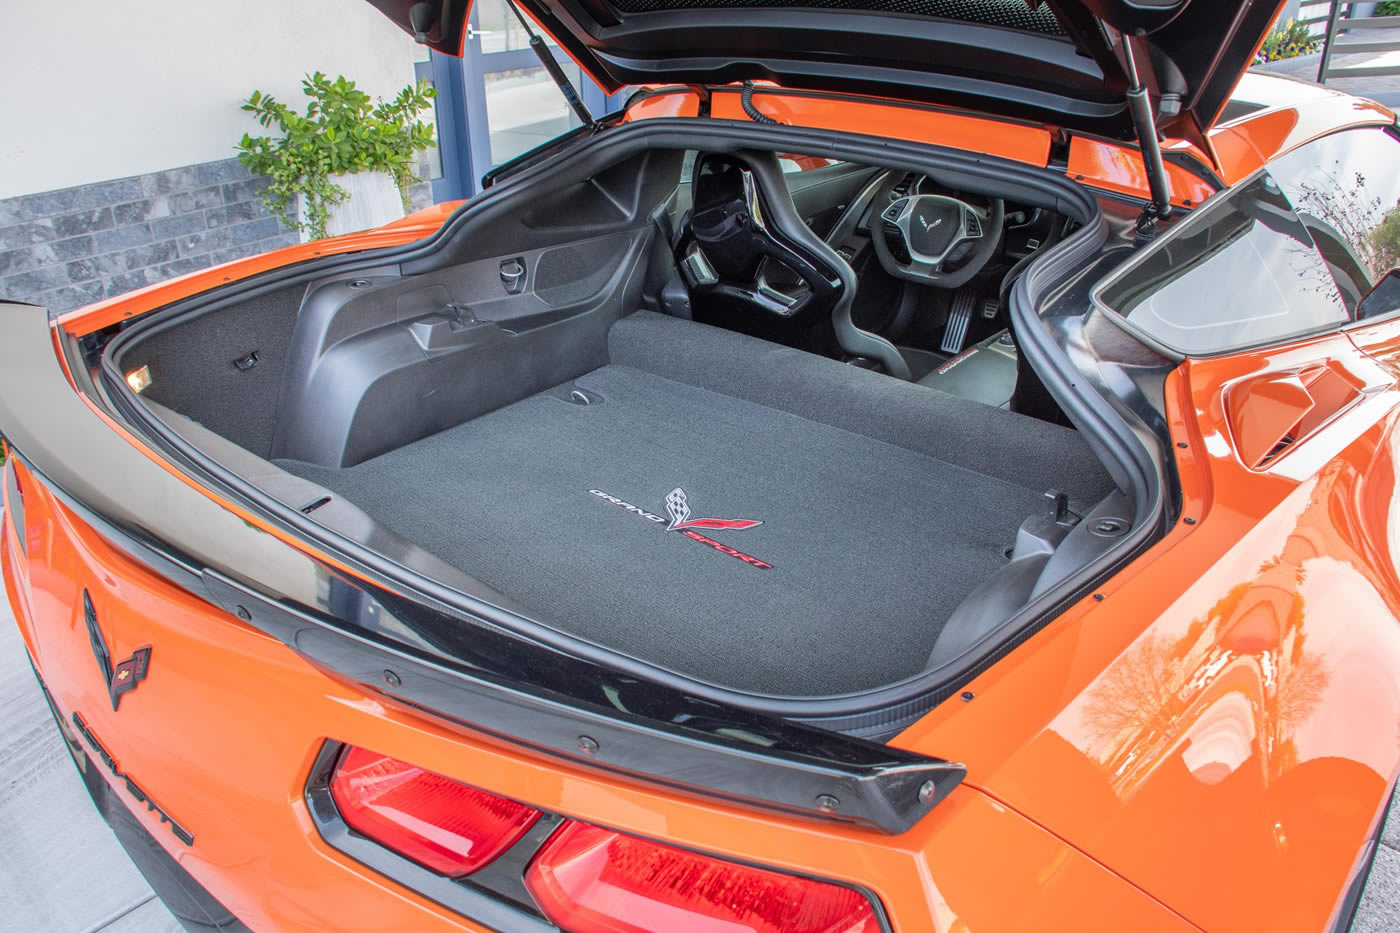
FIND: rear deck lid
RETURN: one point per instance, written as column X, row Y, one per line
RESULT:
column 1054, row 61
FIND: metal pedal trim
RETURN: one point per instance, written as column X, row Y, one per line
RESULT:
column 959, row 316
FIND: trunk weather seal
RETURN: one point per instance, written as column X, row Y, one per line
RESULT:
column 910, row 697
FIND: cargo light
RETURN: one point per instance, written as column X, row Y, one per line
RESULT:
column 592, row 880
column 442, row 824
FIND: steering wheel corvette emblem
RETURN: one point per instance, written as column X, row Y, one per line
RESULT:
column 677, row 505
column 125, row 675
column 932, row 226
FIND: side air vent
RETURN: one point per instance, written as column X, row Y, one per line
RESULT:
column 905, row 186
column 1285, row 442
column 1272, row 413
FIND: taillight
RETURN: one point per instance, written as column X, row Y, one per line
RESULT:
column 440, row 823
column 592, row 880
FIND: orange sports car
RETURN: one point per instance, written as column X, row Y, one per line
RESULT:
column 922, row 465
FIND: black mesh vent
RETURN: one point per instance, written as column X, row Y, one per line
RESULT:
column 1012, row 14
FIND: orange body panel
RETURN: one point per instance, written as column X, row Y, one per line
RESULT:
column 223, row 731
column 1217, row 733
column 1221, row 726
column 1293, row 113
column 1020, row 142
column 1119, row 169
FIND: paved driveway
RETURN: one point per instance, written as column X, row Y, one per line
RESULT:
column 61, row 869
column 1385, row 89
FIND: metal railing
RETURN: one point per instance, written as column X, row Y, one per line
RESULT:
column 1340, row 37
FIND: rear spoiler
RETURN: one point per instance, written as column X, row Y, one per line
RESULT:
column 491, row 684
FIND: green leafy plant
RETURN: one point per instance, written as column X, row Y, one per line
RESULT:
column 1389, row 8
column 1288, row 41
column 1385, row 240
column 342, row 132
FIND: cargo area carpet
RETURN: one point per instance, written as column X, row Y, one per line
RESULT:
column 858, row 550
column 871, row 546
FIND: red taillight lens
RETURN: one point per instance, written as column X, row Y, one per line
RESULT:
column 436, row 821
column 592, row 880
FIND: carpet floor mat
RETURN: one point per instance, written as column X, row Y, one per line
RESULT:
column 720, row 538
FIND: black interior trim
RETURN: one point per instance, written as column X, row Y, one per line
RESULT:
column 884, row 709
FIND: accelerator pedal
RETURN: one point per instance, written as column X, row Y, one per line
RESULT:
column 959, row 316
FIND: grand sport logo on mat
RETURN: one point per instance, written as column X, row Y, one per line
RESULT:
column 678, row 508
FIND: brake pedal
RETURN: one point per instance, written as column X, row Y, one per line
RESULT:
column 959, row 316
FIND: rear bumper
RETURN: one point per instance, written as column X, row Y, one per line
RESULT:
column 225, row 729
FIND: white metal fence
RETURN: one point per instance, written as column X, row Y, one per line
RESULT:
column 1344, row 33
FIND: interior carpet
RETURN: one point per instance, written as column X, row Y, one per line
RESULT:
column 858, row 550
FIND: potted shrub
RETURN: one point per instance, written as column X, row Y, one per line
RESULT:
column 344, row 165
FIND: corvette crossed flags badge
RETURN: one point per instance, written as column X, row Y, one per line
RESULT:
column 125, row 675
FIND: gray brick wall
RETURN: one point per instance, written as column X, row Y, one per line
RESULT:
column 64, row 249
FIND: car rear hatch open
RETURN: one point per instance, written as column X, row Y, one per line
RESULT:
column 1057, row 61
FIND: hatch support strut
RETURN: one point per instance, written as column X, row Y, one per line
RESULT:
column 555, row 72
column 1140, row 108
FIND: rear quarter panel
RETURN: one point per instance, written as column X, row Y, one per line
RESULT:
column 1220, row 724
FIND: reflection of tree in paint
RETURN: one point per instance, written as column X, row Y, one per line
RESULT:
column 1385, row 241
column 1139, row 691
column 1246, row 653
column 1298, row 681
column 1366, row 225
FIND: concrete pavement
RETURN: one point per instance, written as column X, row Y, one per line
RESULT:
column 1384, row 89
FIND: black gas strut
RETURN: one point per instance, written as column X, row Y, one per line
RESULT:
column 550, row 65
column 1140, row 108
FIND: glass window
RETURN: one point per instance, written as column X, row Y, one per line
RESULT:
column 500, row 30
column 430, row 160
column 1240, row 273
column 525, row 109
column 1346, row 189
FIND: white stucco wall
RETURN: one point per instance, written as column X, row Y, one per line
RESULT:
column 101, row 89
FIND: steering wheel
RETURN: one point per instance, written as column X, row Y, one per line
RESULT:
column 743, row 222
column 935, row 232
